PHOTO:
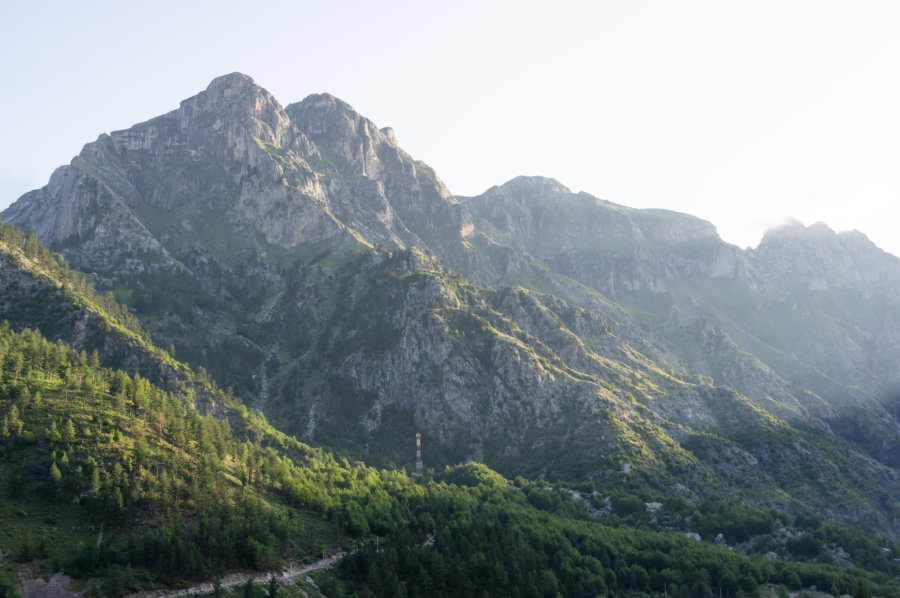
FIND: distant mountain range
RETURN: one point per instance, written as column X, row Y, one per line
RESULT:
column 306, row 261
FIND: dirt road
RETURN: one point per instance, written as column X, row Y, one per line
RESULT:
column 293, row 571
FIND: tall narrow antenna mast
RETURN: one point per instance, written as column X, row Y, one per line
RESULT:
column 418, row 470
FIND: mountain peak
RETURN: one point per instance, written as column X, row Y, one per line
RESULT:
column 236, row 104
column 231, row 81
column 794, row 231
column 234, row 93
column 529, row 185
column 325, row 102
column 337, row 128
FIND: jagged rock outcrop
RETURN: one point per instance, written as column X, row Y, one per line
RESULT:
column 816, row 258
column 837, row 297
column 614, row 249
column 232, row 161
column 810, row 305
column 374, row 181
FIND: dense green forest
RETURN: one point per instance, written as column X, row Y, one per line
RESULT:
column 182, row 496
column 127, row 483
column 28, row 253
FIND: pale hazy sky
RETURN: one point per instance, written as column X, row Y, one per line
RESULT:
column 742, row 113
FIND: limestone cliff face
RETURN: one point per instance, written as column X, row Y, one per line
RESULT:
column 614, row 249
column 87, row 221
column 373, row 181
column 252, row 163
column 808, row 305
column 815, row 258
column 232, row 161
column 131, row 191
column 837, row 296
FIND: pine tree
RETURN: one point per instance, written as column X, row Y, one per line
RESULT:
column 53, row 434
column 55, row 474
column 18, row 362
column 68, row 433
column 15, row 423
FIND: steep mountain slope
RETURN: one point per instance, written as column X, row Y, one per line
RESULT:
column 806, row 324
column 308, row 262
column 841, row 291
column 38, row 291
column 231, row 163
column 199, row 211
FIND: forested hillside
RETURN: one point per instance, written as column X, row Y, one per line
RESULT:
column 116, row 480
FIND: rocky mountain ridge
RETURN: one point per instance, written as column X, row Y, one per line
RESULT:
column 306, row 260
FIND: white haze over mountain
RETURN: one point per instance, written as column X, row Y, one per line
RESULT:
column 742, row 114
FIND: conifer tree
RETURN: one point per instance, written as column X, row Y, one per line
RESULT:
column 53, row 434
column 68, row 432
column 55, row 474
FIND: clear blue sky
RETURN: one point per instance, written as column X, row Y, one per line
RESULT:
column 741, row 113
